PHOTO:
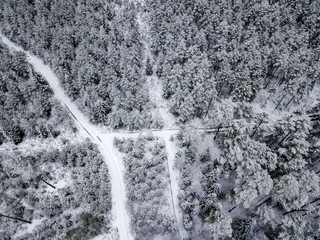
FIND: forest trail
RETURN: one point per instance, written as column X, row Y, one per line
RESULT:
column 105, row 140
column 174, row 177
column 154, row 86
column 155, row 89
column 102, row 139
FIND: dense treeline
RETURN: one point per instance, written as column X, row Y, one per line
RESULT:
column 249, row 68
column 79, row 207
column 228, row 60
column 218, row 49
column 259, row 180
column 146, row 177
column 27, row 107
column 204, row 50
column 94, row 47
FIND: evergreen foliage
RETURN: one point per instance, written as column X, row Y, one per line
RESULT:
column 27, row 107
column 79, row 206
column 95, row 51
column 145, row 160
column 234, row 49
column 245, row 72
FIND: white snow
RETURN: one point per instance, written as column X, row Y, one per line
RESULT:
column 28, row 228
column 174, row 177
column 153, row 83
column 103, row 140
column 313, row 98
column 112, row 236
column 161, row 107
column 39, row 144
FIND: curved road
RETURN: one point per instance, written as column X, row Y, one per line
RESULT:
column 103, row 140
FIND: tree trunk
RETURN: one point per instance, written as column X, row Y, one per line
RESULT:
column 217, row 131
column 256, row 128
column 290, row 101
column 264, row 201
column 280, row 101
column 39, row 177
column 14, row 218
column 208, row 107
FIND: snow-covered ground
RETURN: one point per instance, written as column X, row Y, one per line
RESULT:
column 154, row 86
column 28, row 146
column 161, row 108
column 29, row 227
column 102, row 139
column 174, row 177
column 313, row 98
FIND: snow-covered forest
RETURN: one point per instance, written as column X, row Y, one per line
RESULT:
column 69, row 209
column 146, row 177
column 27, row 108
column 201, row 119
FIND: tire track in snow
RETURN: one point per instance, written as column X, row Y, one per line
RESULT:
column 174, row 177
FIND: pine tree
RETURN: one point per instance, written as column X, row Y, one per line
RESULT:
column 148, row 70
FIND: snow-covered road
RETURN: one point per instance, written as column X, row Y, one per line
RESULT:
column 102, row 139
